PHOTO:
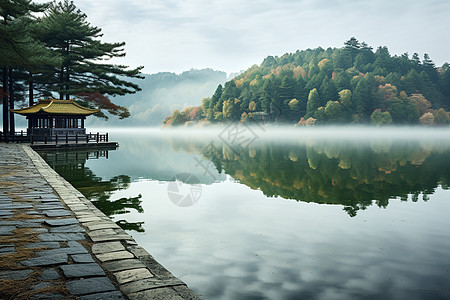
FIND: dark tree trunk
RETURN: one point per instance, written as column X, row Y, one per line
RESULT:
column 61, row 80
column 30, row 90
column 67, row 84
column 12, row 125
column 5, row 102
column 67, row 74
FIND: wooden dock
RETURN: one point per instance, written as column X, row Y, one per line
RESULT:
column 62, row 142
column 75, row 146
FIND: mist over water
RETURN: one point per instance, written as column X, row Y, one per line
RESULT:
column 294, row 134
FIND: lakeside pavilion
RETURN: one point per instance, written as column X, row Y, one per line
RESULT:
column 51, row 117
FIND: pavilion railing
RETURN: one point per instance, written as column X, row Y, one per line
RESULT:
column 19, row 136
column 87, row 138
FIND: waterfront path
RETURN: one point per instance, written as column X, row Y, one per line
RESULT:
column 55, row 244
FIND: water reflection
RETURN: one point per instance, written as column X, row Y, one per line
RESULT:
column 349, row 173
column 243, row 240
column 72, row 166
column 354, row 174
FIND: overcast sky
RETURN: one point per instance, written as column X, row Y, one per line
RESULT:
column 232, row 35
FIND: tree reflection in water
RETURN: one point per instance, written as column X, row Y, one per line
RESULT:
column 72, row 166
column 351, row 174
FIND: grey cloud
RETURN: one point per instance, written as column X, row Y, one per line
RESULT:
column 232, row 34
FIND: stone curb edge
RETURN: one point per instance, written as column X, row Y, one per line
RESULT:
column 137, row 274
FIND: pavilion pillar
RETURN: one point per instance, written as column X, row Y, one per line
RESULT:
column 5, row 102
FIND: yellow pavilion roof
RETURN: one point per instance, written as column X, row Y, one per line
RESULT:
column 56, row 107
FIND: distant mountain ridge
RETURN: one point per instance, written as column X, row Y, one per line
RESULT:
column 161, row 94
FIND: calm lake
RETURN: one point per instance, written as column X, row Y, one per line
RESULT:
column 264, row 213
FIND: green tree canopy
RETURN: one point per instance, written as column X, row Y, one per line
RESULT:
column 65, row 30
column 371, row 80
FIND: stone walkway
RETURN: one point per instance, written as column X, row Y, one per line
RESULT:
column 54, row 243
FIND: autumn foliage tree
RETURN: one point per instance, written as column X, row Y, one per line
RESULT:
column 343, row 85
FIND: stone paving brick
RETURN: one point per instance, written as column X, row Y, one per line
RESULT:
column 100, row 225
column 61, row 222
column 82, row 270
column 107, row 247
column 48, row 296
column 125, row 264
column 149, row 283
column 90, row 286
column 156, row 294
column 7, row 250
column 6, row 213
column 103, row 296
column 49, row 274
column 101, row 232
column 185, row 292
column 89, row 219
column 49, row 206
column 132, row 275
column 68, row 251
column 79, row 207
column 114, row 256
column 43, row 245
column 41, row 285
column 131, row 242
column 21, row 224
column 33, row 212
column 82, row 213
column 39, row 230
column 67, row 228
column 7, row 230
column 56, row 259
column 57, row 213
column 60, row 237
column 82, row 258
column 15, row 275
column 112, row 237
column 16, row 206
column 50, row 200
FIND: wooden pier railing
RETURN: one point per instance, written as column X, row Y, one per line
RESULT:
column 22, row 137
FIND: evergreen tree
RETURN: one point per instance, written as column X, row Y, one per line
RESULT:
column 352, row 46
column 17, row 48
column 360, row 99
column 328, row 91
column 313, row 103
column 217, row 94
column 65, row 30
column 416, row 61
column 430, row 68
column 267, row 95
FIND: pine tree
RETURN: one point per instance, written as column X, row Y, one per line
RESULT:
column 360, row 99
column 215, row 98
column 17, row 48
column 313, row 103
column 352, row 46
column 65, row 30
column 430, row 68
column 328, row 91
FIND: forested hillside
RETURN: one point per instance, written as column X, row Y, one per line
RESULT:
column 352, row 84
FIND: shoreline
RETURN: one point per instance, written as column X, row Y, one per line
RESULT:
column 131, row 269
